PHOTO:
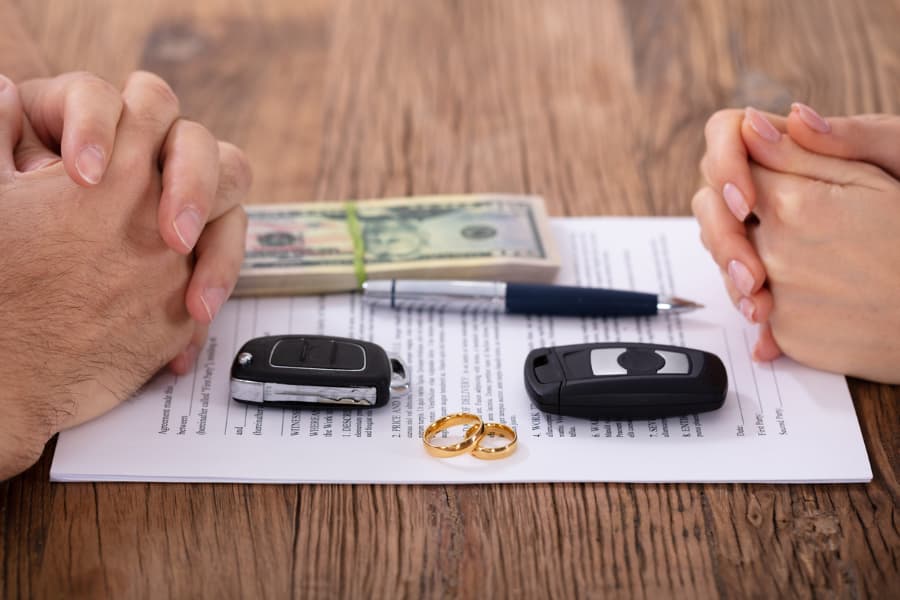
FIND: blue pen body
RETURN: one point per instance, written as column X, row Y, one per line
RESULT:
column 529, row 298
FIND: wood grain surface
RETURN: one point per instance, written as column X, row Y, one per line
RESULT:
column 598, row 106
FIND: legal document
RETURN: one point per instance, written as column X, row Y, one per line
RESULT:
column 781, row 421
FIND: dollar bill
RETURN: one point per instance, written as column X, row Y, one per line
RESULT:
column 311, row 248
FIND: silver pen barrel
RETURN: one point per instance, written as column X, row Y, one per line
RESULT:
column 436, row 293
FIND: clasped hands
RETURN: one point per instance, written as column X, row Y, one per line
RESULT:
column 802, row 216
column 122, row 235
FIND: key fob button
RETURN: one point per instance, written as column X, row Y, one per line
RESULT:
column 641, row 361
column 318, row 353
column 605, row 361
column 677, row 363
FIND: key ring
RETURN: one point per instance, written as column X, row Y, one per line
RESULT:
column 472, row 436
column 495, row 452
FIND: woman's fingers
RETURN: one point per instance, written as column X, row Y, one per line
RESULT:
column 726, row 240
column 78, row 113
column 867, row 138
column 767, row 146
column 725, row 164
column 766, row 348
column 220, row 252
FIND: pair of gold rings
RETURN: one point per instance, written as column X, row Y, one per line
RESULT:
column 471, row 442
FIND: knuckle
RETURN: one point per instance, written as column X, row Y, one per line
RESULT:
column 137, row 164
column 795, row 207
column 700, row 201
column 94, row 84
column 718, row 119
column 193, row 130
column 75, row 76
column 704, row 167
column 154, row 88
column 235, row 166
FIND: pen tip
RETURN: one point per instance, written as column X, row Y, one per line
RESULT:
column 676, row 305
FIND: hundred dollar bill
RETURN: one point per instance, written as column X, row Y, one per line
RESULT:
column 322, row 247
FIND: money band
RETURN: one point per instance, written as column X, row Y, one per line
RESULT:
column 359, row 251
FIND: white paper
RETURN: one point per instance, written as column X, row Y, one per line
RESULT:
column 781, row 422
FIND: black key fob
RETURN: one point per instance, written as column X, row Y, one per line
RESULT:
column 622, row 380
column 314, row 369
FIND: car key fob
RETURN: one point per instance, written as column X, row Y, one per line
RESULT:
column 315, row 369
column 623, row 380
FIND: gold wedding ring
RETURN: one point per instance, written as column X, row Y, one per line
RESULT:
column 472, row 436
column 495, row 452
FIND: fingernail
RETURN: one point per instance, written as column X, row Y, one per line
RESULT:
column 761, row 125
column 748, row 309
column 4, row 83
column 741, row 277
column 735, row 201
column 91, row 164
column 188, row 226
column 212, row 299
column 813, row 120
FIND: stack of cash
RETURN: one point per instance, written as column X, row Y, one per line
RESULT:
column 319, row 247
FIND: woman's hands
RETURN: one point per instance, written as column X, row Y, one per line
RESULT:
column 821, row 269
column 74, row 118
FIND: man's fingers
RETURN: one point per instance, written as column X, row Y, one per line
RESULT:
column 190, row 159
column 235, row 179
column 20, row 147
column 724, row 165
column 726, row 239
column 10, row 127
column 150, row 109
column 31, row 154
column 77, row 113
column 185, row 360
column 868, row 138
column 220, row 252
column 767, row 146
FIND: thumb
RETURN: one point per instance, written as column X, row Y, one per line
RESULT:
column 869, row 138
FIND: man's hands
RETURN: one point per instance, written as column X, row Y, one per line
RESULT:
column 820, row 270
column 94, row 297
column 74, row 118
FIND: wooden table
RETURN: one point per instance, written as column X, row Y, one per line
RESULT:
column 599, row 107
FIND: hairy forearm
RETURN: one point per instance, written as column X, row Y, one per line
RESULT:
column 20, row 57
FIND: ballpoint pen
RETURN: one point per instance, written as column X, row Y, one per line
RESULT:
column 520, row 298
